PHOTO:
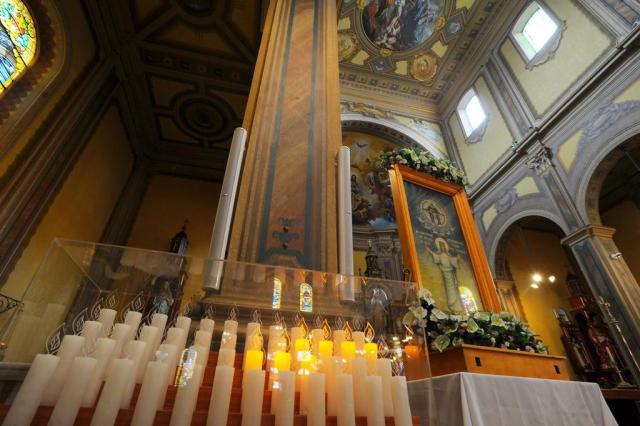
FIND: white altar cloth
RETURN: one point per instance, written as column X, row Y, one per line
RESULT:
column 469, row 399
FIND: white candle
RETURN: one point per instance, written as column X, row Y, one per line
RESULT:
column 27, row 400
column 375, row 412
column 316, row 413
column 251, row 339
column 231, row 327
column 91, row 330
column 338, row 338
column 336, row 366
column 359, row 373
column 176, row 336
column 220, row 396
column 358, row 338
column 159, row 321
column 172, row 363
column 150, row 392
column 296, row 333
column 201, row 358
column 70, row 348
column 134, row 350
column 383, row 369
column 120, row 334
column 302, row 383
column 226, row 358
column 67, row 407
column 400, row 395
column 253, row 393
column 133, row 318
column 207, row 324
column 186, row 399
column 118, row 379
column 228, row 341
column 286, row 398
column 106, row 318
column 346, row 411
column 184, row 323
column 317, row 335
column 103, row 355
column 148, row 335
column 203, row 338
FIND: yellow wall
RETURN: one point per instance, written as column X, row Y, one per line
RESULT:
column 80, row 48
column 84, row 204
column 547, row 257
column 582, row 43
column 359, row 261
column 625, row 218
column 479, row 156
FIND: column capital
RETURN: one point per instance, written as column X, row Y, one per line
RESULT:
column 587, row 232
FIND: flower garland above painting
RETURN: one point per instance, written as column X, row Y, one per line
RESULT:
column 503, row 330
column 423, row 161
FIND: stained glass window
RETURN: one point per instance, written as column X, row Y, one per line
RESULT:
column 306, row 298
column 468, row 300
column 276, row 300
column 17, row 41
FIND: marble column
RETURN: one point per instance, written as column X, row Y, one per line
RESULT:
column 609, row 277
column 286, row 207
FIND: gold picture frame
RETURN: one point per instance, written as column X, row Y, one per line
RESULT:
column 399, row 176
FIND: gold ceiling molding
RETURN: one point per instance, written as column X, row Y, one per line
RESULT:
column 347, row 45
column 424, row 67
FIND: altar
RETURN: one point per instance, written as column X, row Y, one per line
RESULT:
column 465, row 399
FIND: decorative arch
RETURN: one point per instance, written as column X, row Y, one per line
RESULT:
column 597, row 172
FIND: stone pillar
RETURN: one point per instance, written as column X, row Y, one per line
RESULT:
column 286, row 208
column 609, row 277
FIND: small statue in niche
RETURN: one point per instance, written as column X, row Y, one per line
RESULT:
column 163, row 298
column 180, row 242
column 603, row 345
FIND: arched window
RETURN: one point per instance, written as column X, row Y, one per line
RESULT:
column 18, row 41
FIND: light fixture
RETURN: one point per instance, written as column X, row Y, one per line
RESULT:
column 537, row 278
column 552, row 278
column 535, row 285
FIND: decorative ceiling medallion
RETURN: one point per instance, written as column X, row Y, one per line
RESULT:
column 205, row 118
column 347, row 45
column 198, row 7
column 400, row 25
column 424, row 67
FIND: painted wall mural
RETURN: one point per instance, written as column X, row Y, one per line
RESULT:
column 400, row 24
column 371, row 200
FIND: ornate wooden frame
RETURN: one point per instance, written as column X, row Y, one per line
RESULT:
column 399, row 174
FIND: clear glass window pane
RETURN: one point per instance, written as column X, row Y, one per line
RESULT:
column 475, row 113
column 539, row 29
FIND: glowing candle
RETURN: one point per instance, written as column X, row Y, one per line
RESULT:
column 132, row 318
column 375, row 412
column 103, row 355
column 344, row 389
column 226, row 358
column 282, row 361
column 348, row 350
column 106, row 318
column 252, row 361
column 325, row 352
column 231, row 327
column 118, row 379
column 286, row 398
column 338, row 338
column 400, row 396
column 68, row 405
column 359, row 373
column 316, row 337
column 150, row 393
column 207, row 324
column 70, row 348
column 252, row 395
column 316, row 412
column 358, row 338
column 186, row 399
column 296, row 334
column 220, row 396
column 371, row 355
column 26, row 402
column 383, row 369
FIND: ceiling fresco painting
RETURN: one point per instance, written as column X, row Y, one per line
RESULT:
column 408, row 48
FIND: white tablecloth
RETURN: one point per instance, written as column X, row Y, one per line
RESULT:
column 469, row 399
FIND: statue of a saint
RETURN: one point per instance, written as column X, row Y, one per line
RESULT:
column 448, row 265
column 163, row 299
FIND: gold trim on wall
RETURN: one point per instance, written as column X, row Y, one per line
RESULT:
column 399, row 174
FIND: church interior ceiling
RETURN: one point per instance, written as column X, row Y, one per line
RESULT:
column 187, row 70
column 409, row 49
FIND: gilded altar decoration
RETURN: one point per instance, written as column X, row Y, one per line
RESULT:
column 347, row 46
column 424, row 67
column 368, row 110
